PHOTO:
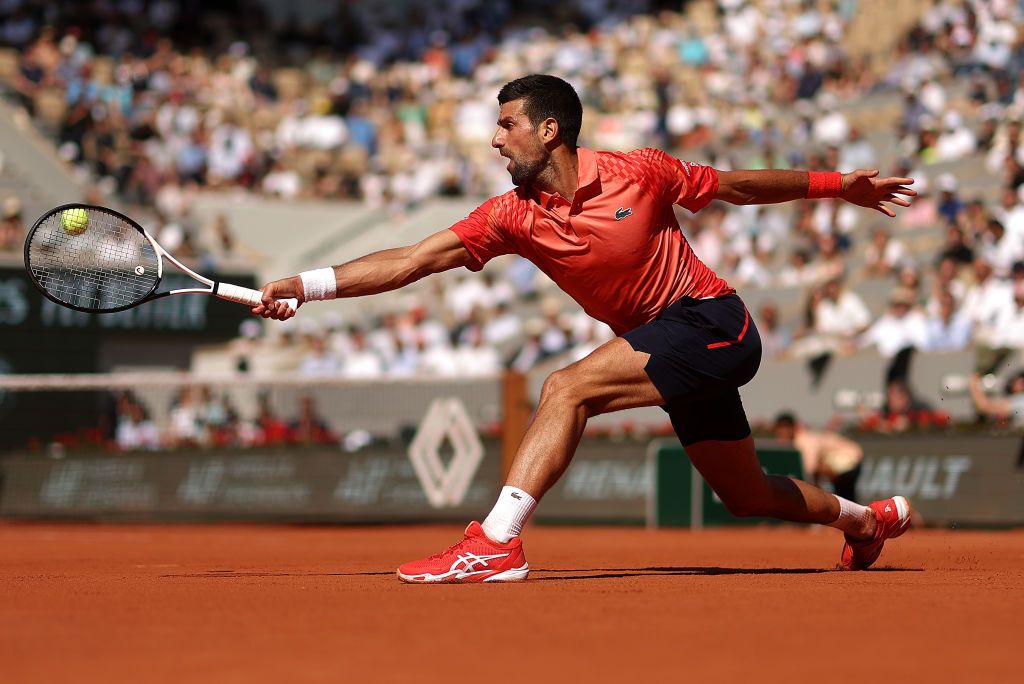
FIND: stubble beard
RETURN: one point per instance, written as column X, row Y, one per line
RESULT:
column 526, row 172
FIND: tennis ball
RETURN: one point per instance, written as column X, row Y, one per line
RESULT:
column 74, row 221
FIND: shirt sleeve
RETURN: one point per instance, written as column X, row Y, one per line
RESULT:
column 483, row 234
column 693, row 186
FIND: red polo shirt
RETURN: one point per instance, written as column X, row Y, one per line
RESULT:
column 617, row 248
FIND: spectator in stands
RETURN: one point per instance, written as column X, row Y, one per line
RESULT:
column 755, row 269
column 774, row 338
column 530, row 353
column 950, row 205
column 12, row 231
column 1000, row 249
column 362, row 362
column 1009, row 327
column 883, row 255
column 956, row 140
column 984, row 304
column 309, row 427
column 909, row 278
column 319, row 361
column 902, row 326
column 440, row 359
column 503, row 325
column 219, row 418
column 1009, row 408
column 923, row 213
column 902, row 411
column 841, row 316
column 829, row 459
column 829, row 262
column 382, row 337
column 948, row 330
column 476, row 357
column 955, row 248
column 946, row 281
column 270, row 429
column 135, row 430
column 186, row 425
column 799, row 272
column 1011, row 212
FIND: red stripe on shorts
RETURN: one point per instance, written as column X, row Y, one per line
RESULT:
column 743, row 333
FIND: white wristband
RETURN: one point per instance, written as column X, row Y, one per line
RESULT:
column 319, row 284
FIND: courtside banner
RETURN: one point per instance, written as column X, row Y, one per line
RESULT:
column 952, row 480
column 314, row 484
column 608, row 482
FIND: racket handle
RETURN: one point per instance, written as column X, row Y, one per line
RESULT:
column 248, row 296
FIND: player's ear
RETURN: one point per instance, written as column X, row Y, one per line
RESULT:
column 548, row 130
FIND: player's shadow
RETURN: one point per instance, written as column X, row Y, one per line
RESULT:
column 552, row 574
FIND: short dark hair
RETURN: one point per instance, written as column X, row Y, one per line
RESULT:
column 785, row 419
column 547, row 97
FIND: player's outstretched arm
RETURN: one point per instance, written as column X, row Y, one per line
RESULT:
column 771, row 186
column 389, row 269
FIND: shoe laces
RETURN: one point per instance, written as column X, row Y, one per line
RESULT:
column 449, row 550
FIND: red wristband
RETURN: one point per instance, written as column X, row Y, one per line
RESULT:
column 824, row 184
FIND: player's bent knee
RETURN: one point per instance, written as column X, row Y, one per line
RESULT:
column 565, row 385
column 557, row 388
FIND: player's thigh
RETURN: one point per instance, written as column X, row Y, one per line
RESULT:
column 715, row 433
column 610, row 378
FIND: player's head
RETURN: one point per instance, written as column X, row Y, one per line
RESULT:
column 538, row 114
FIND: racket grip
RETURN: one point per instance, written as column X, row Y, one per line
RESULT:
column 248, row 296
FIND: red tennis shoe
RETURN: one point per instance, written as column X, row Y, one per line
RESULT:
column 893, row 516
column 474, row 559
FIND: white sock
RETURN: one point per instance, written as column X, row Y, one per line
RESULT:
column 513, row 508
column 852, row 517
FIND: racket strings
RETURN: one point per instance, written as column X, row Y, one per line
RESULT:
column 108, row 265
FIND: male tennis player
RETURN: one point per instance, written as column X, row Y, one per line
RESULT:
column 601, row 225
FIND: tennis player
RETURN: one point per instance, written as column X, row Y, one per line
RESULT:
column 601, row 226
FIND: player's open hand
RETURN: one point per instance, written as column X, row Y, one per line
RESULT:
column 864, row 189
column 273, row 293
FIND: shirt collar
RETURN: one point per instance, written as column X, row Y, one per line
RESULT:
column 587, row 176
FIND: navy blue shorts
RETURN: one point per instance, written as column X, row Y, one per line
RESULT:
column 701, row 351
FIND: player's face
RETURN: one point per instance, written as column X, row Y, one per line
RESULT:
column 518, row 139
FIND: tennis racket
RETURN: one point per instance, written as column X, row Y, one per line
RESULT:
column 98, row 260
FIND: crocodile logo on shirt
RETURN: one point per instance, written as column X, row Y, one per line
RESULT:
column 623, row 213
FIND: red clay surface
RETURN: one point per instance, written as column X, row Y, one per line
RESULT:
column 88, row 603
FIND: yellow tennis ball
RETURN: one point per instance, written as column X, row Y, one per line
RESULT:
column 74, row 221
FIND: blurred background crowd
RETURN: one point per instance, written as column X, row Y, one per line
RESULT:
column 154, row 103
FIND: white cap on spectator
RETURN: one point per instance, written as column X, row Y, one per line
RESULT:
column 946, row 182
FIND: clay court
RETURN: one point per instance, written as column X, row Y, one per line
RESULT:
column 92, row 603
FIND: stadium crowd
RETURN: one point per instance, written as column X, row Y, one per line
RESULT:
column 392, row 112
